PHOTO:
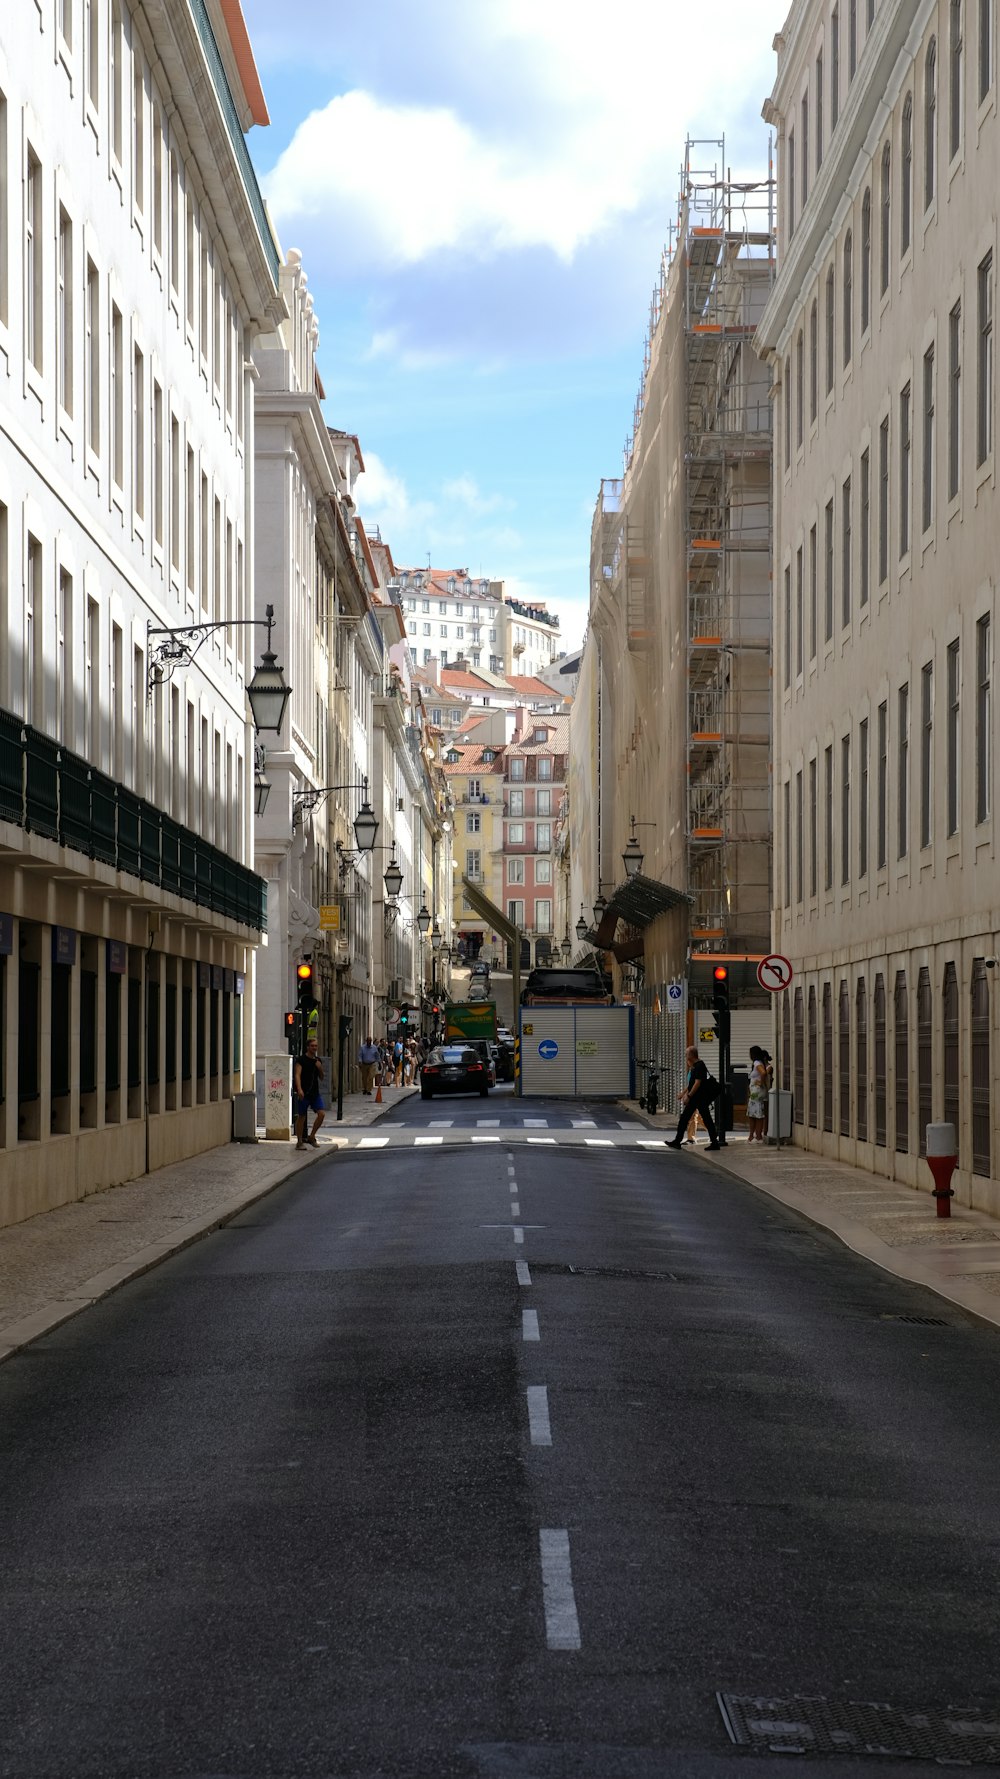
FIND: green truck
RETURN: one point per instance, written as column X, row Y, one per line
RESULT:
column 470, row 1019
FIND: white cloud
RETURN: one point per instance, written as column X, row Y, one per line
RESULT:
column 582, row 124
column 384, row 500
column 464, row 491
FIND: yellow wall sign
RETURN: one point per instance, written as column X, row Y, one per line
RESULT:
column 706, row 1034
column 528, row 1030
column 329, row 917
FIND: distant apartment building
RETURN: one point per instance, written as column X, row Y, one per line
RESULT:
column 452, row 617
column 880, row 334
column 136, row 266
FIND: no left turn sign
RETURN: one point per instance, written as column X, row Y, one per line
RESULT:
column 774, row 973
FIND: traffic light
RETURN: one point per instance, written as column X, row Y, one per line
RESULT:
column 293, row 1031
column 404, row 1016
column 720, row 1002
column 307, row 999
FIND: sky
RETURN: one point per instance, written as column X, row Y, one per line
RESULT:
column 481, row 191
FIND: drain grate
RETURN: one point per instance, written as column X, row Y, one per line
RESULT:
column 829, row 1726
column 918, row 1321
column 605, row 1272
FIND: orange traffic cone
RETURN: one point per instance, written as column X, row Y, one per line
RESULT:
column 378, row 1094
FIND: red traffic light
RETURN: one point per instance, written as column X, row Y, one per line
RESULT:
column 721, row 973
column 290, row 1019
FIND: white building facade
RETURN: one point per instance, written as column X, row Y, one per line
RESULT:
column 880, row 335
column 135, row 266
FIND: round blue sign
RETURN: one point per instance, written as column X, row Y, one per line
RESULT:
column 547, row 1049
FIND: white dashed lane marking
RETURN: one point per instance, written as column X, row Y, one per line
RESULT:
column 562, row 1627
column 529, row 1325
column 515, row 1209
column 536, row 1123
column 440, row 1123
column 584, row 1123
column 487, row 1123
column 419, row 1140
column 523, row 1274
column 519, row 1235
column 600, row 1142
column 539, row 1425
column 541, row 1139
column 373, row 1142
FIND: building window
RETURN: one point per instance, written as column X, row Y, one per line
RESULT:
column 34, row 607
column 904, row 471
column 813, row 812
column 412, row 628
column 787, row 800
column 883, row 502
column 543, row 802
column 117, row 397
column 828, row 573
column 515, row 912
column 812, row 1045
column 805, row 148
column 834, row 67
column 864, row 541
column 925, row 1055
column 950, row 1047
column 852, row 39
column 791, row 183
column 788, row 627
column 827, row 1056
column 845, row 809
column 543, row 870
column 426, row 629
column 813, row 591
column 984, row 362
column 861, row 1054
column 882, row 787
column 985, row 47
column 799, row 859
column 517, row 767
column 930, row 123
column 475, row 787
column 984, row 719
column 906, row 180
column 543, row 917
column 955, row 78
column 33, row 266
column 901, row 1036
column 828, row 818
column 516, row 803
column 829, row 331
column 138, row 431
column 473, row 823
column 866, row 260
column 927, row 513
column 92, row 355
column 788, row 413
column 64, row 299
column 863, row 773
column 845, row 553
column 844, row 1058
column 515, row 870
column 117, row 64
column 799, row 390
column 157, row 460
column 473, row 865
column 903, row 774
column 954, row 399
column 543, row 837
column 813, row 361
column 799, row 625
column 848, row 295
column 886, row 219
column 819, row 111
column 953, row 738
column 926, row 753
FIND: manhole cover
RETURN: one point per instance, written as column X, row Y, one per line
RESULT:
column 829, row 1726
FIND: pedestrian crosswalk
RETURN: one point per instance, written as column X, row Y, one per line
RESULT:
column 439, row 1133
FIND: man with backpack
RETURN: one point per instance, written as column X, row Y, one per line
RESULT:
column 701, row 1092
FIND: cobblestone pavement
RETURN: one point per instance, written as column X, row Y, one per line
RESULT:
column 889, row 1223
column 53, row 1265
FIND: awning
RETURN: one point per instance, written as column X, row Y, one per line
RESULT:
column 638, row 901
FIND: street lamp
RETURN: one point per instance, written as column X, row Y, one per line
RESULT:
column 633, row 855
column 261, row 787
column 267, row 691
column 566, row 949
column 437, row 937
column 599, row 907
column 392, row 876
column 365, row 823
column 581, row 925
column 423, row 920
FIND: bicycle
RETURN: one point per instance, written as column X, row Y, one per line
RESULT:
column 650, row 1100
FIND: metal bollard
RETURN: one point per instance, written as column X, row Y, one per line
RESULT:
column 942, row 1159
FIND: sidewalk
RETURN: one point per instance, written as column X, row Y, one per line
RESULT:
column 53, row 1265
column 897, row 1228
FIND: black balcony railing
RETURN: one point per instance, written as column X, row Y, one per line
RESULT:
column 47, row 790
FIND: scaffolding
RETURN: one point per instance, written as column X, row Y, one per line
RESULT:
column 725, row 239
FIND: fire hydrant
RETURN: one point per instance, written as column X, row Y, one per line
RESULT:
column 942, row 1159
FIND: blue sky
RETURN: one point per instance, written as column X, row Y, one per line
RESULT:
column 481, row 190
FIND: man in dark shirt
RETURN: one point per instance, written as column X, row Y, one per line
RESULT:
column 696, row 1099
column 308, row 1075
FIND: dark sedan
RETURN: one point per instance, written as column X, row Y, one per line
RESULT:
column 454, row 1068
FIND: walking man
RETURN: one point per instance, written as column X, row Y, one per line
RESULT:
column 696, row 1100
column 368, row 1056
column 308, row 1075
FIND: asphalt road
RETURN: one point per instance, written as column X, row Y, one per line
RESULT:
column 497, row 1464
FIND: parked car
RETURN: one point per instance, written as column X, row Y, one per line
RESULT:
column 454, row 1068
column 479, row 967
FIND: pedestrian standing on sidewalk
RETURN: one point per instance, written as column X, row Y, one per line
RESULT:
column 367, row 1062
column 308, row 1076
column 757, row 1095
column 698, row 1098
